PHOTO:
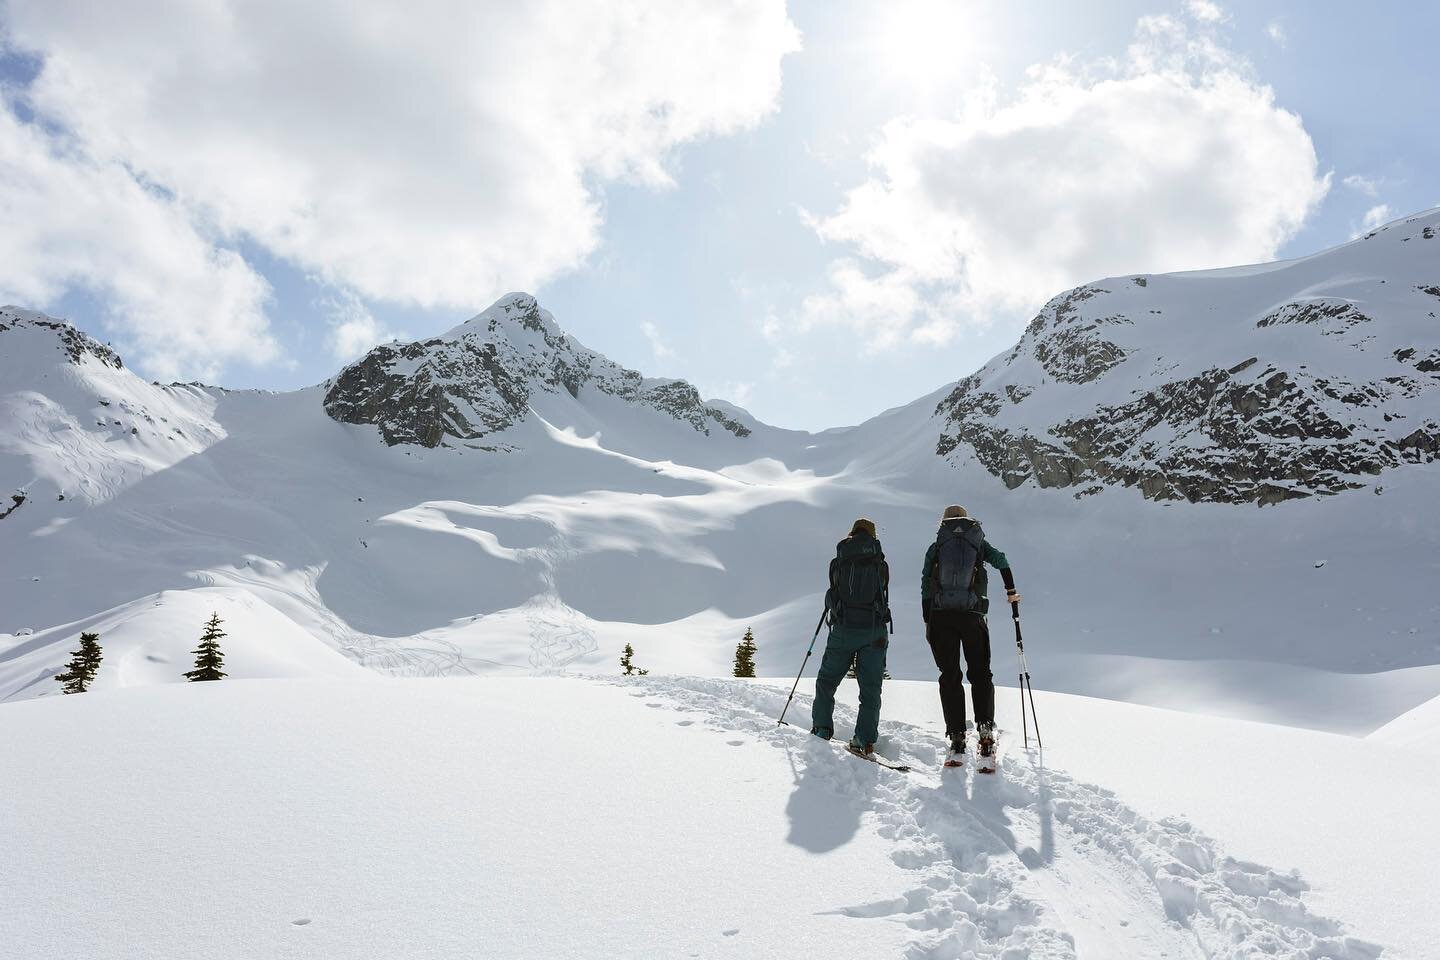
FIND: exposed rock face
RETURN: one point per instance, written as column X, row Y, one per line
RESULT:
column 1238, row 386
column 72, row 342
column 479, row 379
column 1070, row 345
column 1330, row 317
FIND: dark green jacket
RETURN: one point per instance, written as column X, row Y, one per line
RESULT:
column 992, row 556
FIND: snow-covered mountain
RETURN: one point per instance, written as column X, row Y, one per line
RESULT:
column 500, row 498
column 84, row 426
column 1257, row 384
column 478, row 380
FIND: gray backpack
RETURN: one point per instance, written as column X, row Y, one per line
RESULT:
column 959, row 551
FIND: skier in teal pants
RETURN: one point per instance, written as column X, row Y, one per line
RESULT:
column 858, row 605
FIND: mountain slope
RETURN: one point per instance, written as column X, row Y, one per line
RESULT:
column 549, row 526
column 77, row 424
column 1257, row 384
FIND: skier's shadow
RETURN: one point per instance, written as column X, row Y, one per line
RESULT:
column 989, row 798
column 824, row 809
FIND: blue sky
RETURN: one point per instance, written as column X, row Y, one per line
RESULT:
column 819, row 210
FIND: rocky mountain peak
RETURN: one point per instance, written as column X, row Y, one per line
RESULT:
column 479, row 378
column 44, row 334
column 1254, row 384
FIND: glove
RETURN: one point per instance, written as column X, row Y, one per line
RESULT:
column 925, row 611
column 1012, row 595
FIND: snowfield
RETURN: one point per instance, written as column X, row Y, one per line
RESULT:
column 670, row 816
column 1217, row 491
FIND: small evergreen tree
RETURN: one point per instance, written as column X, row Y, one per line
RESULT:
column 84, row 664
column 208, row 658
column 627, row 660
column 745, row 655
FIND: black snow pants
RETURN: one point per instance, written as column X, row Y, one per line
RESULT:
column 950, row 633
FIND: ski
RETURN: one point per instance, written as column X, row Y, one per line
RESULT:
column 878, row 760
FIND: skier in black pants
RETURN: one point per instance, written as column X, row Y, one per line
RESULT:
column 954, row 603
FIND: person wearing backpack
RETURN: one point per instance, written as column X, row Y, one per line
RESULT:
column 953, row 603
column 857, row 608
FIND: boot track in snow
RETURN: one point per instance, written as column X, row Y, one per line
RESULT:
column 1030, row 862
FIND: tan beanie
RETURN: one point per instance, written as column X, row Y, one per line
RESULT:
column 953, row 511
column 863, row 526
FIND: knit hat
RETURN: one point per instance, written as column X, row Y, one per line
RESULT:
column 953, row 511
column 863, row 526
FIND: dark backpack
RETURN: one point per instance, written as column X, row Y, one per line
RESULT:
column 959, row 551
column 859, row 594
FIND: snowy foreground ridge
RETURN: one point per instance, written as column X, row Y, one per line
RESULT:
column 671, row 817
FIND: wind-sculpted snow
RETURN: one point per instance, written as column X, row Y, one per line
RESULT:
column 1252, row 385
column 1030, row 862
column 479, row 379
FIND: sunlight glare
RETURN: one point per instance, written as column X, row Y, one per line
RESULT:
column 927, row 44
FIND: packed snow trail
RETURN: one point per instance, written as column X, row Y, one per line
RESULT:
column 1029, row 862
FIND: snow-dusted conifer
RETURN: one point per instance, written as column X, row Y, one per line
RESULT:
column 84, row 664
column 745, row 655
column 627, row 660
column 208, row 657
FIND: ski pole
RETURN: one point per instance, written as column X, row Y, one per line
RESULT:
column 1024, row 682
column 1026, row 663
column 802, row 668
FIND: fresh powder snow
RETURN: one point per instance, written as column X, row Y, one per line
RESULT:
column 1216, row 490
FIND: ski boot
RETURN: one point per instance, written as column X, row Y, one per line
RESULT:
column 987, row 761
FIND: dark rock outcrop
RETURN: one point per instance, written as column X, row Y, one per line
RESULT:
column 479, row 379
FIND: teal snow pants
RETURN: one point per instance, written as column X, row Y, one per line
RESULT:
column 866, row 647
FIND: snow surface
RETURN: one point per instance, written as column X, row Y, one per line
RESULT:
column 671, row 816
column 499, row 813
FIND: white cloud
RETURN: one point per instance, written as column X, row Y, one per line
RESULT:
column 353, row 328
column 178, row 302
column 1377, row 216
column 1276, row 31
column 1171, row 158
column 737, row 392
column 1369, row 186
column 436, row 153
column 658, row 347
column 1206, row 11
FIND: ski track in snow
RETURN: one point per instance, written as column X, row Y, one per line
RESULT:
column 558, row 635
column 1101, row 881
